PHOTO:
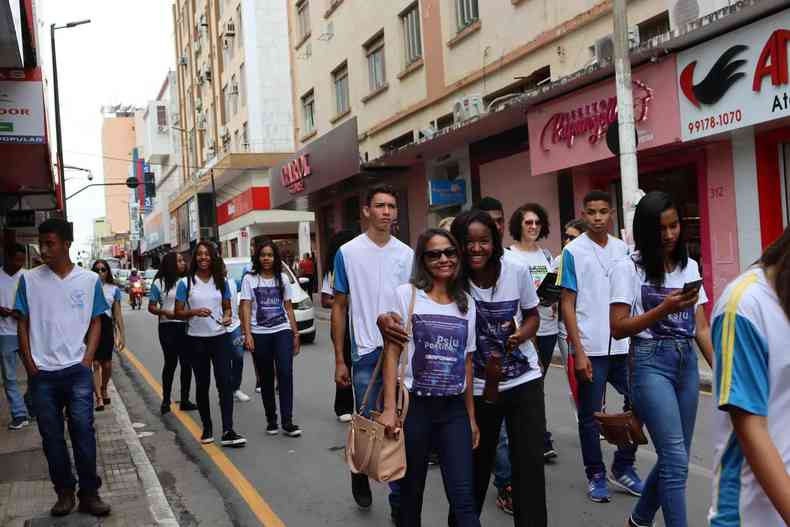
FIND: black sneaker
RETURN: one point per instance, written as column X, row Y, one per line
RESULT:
column 232, row 439
column 18, row 423
column 207, row 436
column 165, row 408
column 291, row 430
column 360, row 488
column 272, row 429
column 187, row 406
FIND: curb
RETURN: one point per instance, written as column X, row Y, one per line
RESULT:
column 157, row 502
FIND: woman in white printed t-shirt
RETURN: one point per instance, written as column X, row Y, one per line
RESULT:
column 438, row 376
column 203, row 298
column 528, row 225
column 651, row 304
column 270, row 333
column 172, row 331
column 112, row 333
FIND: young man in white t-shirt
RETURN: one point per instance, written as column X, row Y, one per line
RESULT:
column 367, row 270
column 584, row 276
column 59, row 305
column 10, row 274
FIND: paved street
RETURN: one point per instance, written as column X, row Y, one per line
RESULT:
column 304, row 481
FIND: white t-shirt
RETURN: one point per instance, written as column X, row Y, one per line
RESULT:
column 496, row 308
column 60, row 311
column 441, row 338
column 368, row 274
column 166, row 302
column 234, row 304
column 629, row 286
column 750, row 334
column 267, row 306
column 112, row 294
column 585, row 268
column 8, row 286
column 202, row 294
column 539, row 263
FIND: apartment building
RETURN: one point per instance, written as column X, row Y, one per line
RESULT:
column 118, row 141
column 236, row 115
column 451, row 100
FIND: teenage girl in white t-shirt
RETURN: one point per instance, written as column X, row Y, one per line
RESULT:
column 112, row 332
column 648, row 304
column 438, row 375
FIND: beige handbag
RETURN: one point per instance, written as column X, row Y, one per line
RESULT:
column 369, row 450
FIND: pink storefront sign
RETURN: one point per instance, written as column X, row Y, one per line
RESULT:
column 572, row 130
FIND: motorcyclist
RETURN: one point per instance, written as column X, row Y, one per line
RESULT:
column 134, row 278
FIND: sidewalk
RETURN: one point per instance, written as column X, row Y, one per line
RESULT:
column 130, row 484
column 705, row 373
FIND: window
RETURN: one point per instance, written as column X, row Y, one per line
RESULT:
column 410, row 20
column 653, row 27
column 303, row 19
column 376, row 72
column 234, row 247
column 234, row 101
column 242, row 86
column 245, row 142
column 161, row 115
column 466, row 12
column 340, row 79
column 225, row 104
column 308, row 112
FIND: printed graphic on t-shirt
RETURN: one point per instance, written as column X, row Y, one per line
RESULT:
column 676, row 325
column 494, row 326
column 77, row 298
column 269, row 312
column 439, row 352
column 539, row 272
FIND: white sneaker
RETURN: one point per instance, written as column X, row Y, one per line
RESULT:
column 345, row 418
column 241, row 396
column 257, row 389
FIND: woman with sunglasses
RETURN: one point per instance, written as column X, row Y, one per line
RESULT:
column 438, row 376
column 112, row 333
column 651, row 303
column 172, row 331
column 506, row 360
column 270, row 333
column 203, row 299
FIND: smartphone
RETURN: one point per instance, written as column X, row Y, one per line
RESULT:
column 692, row 286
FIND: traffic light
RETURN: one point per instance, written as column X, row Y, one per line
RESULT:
column 150, row 184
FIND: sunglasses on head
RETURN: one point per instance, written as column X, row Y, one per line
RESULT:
column 449, row 252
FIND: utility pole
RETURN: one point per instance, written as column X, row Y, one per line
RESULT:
column 59, row 139
column 629, row 170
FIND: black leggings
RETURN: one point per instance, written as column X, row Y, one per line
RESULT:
column 172, row 337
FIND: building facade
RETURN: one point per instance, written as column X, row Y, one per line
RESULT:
column 234, row 89
column 118, row 139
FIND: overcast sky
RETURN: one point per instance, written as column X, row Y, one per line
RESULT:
column 122, row 56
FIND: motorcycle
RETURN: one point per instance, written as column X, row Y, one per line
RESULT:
column 136, row 295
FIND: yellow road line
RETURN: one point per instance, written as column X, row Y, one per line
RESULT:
column 254, row 500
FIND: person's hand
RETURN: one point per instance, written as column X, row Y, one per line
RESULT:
column 121, row 344
column 170, row 315
column 342, row 377
column 297, row 345
column 31, row 368
column 201, row 312
column 390, row 422
column 679, row 301
column 5, row 312
column 87, row 362
column 226, row 320
column 475, row 433
column 391, row 327
column 249, row 342
column 583, row 367
column 515, row 340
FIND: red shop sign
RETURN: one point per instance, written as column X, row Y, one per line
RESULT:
column 292, row 174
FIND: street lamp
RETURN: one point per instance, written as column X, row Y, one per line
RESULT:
column 61, row 177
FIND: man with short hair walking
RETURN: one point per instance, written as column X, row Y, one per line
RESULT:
column 59, row 305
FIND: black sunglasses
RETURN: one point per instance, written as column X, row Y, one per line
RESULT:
column 101, row 269
column 449, row 252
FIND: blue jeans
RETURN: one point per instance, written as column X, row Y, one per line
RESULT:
column 205, row 352
column 665, row 393
column 613, row 370
column 9, row 349
column 237, row 358
column 361, row 376
column 503, row 472
column 71, row 387
column 274, row 352
column 441, row 423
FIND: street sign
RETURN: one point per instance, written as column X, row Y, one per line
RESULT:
column 445, row 192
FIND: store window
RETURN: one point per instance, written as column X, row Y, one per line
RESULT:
column 410, row 20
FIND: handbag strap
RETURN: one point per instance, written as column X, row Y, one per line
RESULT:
column 402, row 361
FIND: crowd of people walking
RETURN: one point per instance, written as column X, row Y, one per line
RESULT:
column 469, row 328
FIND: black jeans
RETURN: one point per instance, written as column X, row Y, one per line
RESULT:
column 275, row 352
column 71, row 388
column 344, row 396
column 524, row 413
column 173, row 339
column 441, row 423
column 205, row 351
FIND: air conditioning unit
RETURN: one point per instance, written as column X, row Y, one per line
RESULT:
column 227, row 43
column 230, row 29
column 466, row 108
column 204, row 20
column 183, row 60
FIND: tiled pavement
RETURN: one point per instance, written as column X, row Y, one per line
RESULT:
column 129, row 482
